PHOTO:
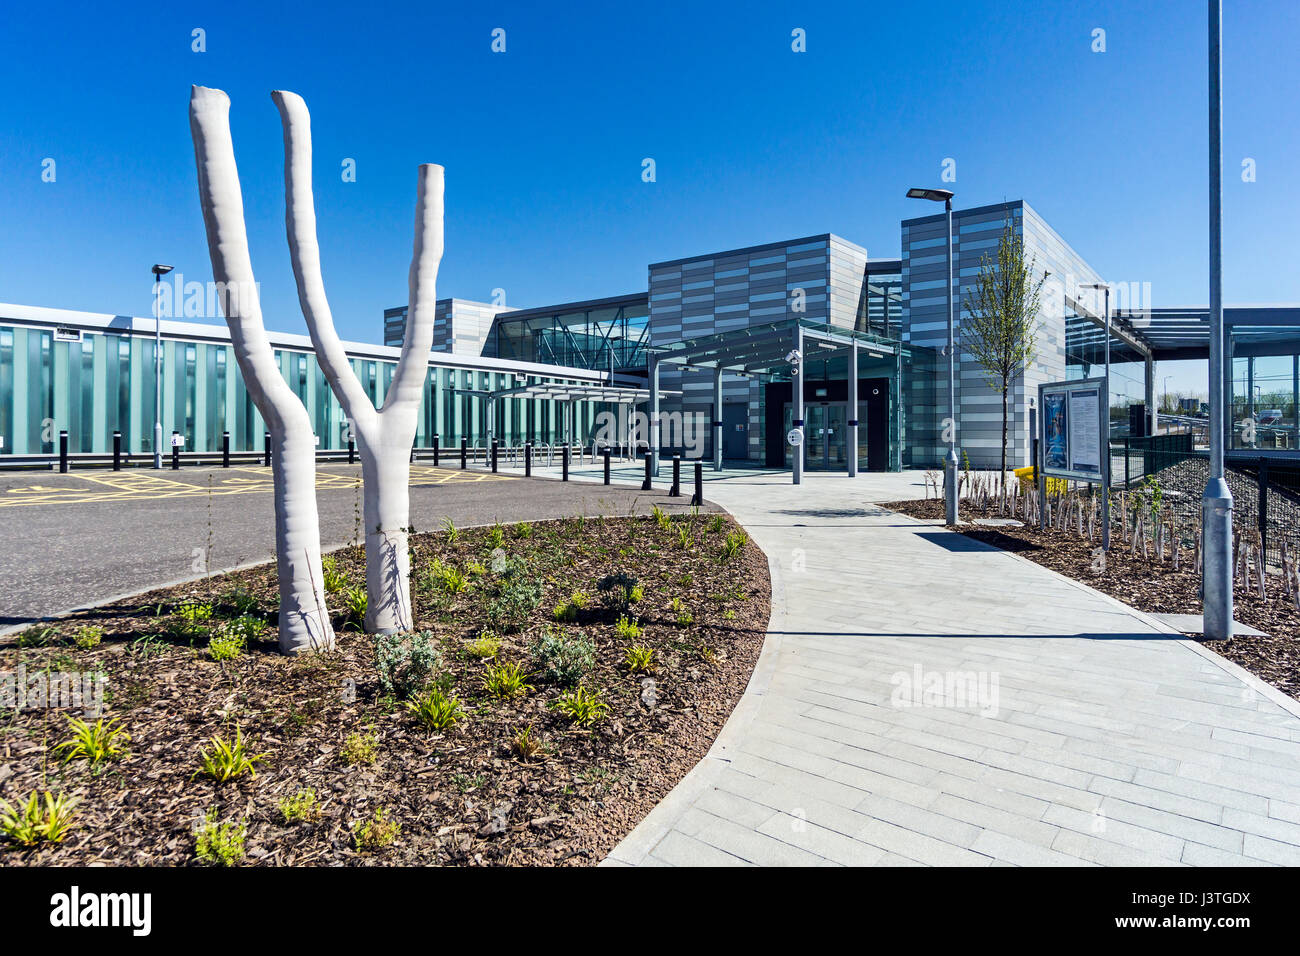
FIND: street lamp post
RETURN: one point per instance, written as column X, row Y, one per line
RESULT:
column 950, row 463
column 158, row 272
column 1216, row 501
column 1105, row 439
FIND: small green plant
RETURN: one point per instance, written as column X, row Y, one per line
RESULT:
column 563, row 658
column 728, row 615
column 406, row 663
column 640, row 659
column 684, row 538
column 355, row 603
column 450, row 579
column 733, row 544
column 627, row 629
column 302, row 807
column 452, row 532
column 496, row 537
column 336, row 579
column 359, row 749
column 225, row 760
column 569, row 608
column 190, row 620
column 146, row 646
column 523, row 530
column 525, row 746
column 661, row 518
column 375, row 833
column 518, row 594
column 240, row 600
column 476, row 569
column 38, row 636
column 506, row 681
column 219, row 844
column 436, row 709
column 716, row 524
column 485, row 647
column 43, row 818
column 225, row 644
column 635, row 594
column 581, row 706
column 88, row 637
column 95, row 743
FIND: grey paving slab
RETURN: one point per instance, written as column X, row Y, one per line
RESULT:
column 916, row 704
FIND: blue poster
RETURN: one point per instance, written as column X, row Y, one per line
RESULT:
column 1054, row 454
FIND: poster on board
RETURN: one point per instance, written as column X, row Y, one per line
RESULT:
column 1075, row 434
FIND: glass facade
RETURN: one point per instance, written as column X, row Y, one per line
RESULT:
column 103, row 382
column 577, row 335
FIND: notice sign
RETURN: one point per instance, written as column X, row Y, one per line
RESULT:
column 1074, row 429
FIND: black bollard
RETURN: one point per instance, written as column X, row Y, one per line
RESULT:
column 464, row 451
column 528, row 459
column 437, row 451
column 645, row 482
column 565, row 476
column 63, row 452
column 225, row 449
column 676, row 490
column 266, row 449
column 117, row 451
column 606, row 454
column 494, row 456
column 176, row 453
column 698, row 498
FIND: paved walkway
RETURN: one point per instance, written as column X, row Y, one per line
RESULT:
column 1081, row 732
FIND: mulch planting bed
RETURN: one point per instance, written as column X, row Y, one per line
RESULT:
column 1148, row 585
column 325, row 723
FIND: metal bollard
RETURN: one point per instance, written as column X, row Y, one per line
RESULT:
column 63, row 452
column 437, row 451
column 565, row 475
column 676, row 490
column 494, row 456
column 266, row 449
column 176, row 454
column 606, row 454
column 464, row 451
column 117, row 451
column 352, row 452
column 225, row 449
column 697, row 499
column 528, row 459
column 645, row 482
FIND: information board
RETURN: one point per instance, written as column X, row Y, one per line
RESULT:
column 1075, row 431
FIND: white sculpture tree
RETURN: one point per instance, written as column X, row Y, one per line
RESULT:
column 304, row 618
column 384, row 437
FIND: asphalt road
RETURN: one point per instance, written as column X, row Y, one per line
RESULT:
column 76, row 540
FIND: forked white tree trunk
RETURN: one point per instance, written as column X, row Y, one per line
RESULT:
column 304, row 619
column 384, row 437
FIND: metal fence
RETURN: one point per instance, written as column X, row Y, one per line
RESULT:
column 1265, row 490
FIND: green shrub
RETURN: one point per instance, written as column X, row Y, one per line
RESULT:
column 225, row 644
column 517, row 596
column 219, row 844
column 572, row 606
column 661, row 518
column 684, row 539
column 733, row 544
column 302, row 807
column 562, row 658
column 406, row 663
column 356, row 603
column 640, row 659
column 240, row 600
column 627, row 629
column 581, row 707
column 88, row 637
column 375, row 833
column 523, row 530
column 496, row 537
column 336, row 579
column 525, row 746
column 453, row 533
column 190, row 619
column 94, row 743
column 506, row 681
column 485, row 647
column 717, row 523
column 226, row 760
column 359, row 749
column 41, row 819
column 436, row 709
column 450, row 579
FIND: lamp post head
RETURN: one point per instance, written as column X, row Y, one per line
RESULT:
column 934, row 195
column 161, row 270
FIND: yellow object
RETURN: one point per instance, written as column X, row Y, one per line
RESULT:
column 1054, row 485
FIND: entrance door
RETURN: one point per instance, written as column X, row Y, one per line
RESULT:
column 827, row 433
column 735, row 431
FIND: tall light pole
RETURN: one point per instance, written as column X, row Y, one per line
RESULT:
column 1105, row 439
column 158, row 272
column 1216, row 501
column 950, row 463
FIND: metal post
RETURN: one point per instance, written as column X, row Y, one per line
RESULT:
column 1295, row 396
column 494, row 456
column 717, row 418
column 352, row 450
column 437, row 450
column 645, row 482
column 950, row 464
column 63, row 452
column 676, row 490
column 1105, row 436
column 157, row 374
column 853, row 411
column 796, row 395
column 464, row 453
column 564, row 476
column 1040, row 482
column 225, row 449
column 266, row 449
column 176, row 452
column 654, row 415
column 117, row 451
column 697, row 499
column 606, row 454
column 528, row 459
column 1216, row 501
column 1153, row 410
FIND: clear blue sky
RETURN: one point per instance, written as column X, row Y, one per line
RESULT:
column 543, row 144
